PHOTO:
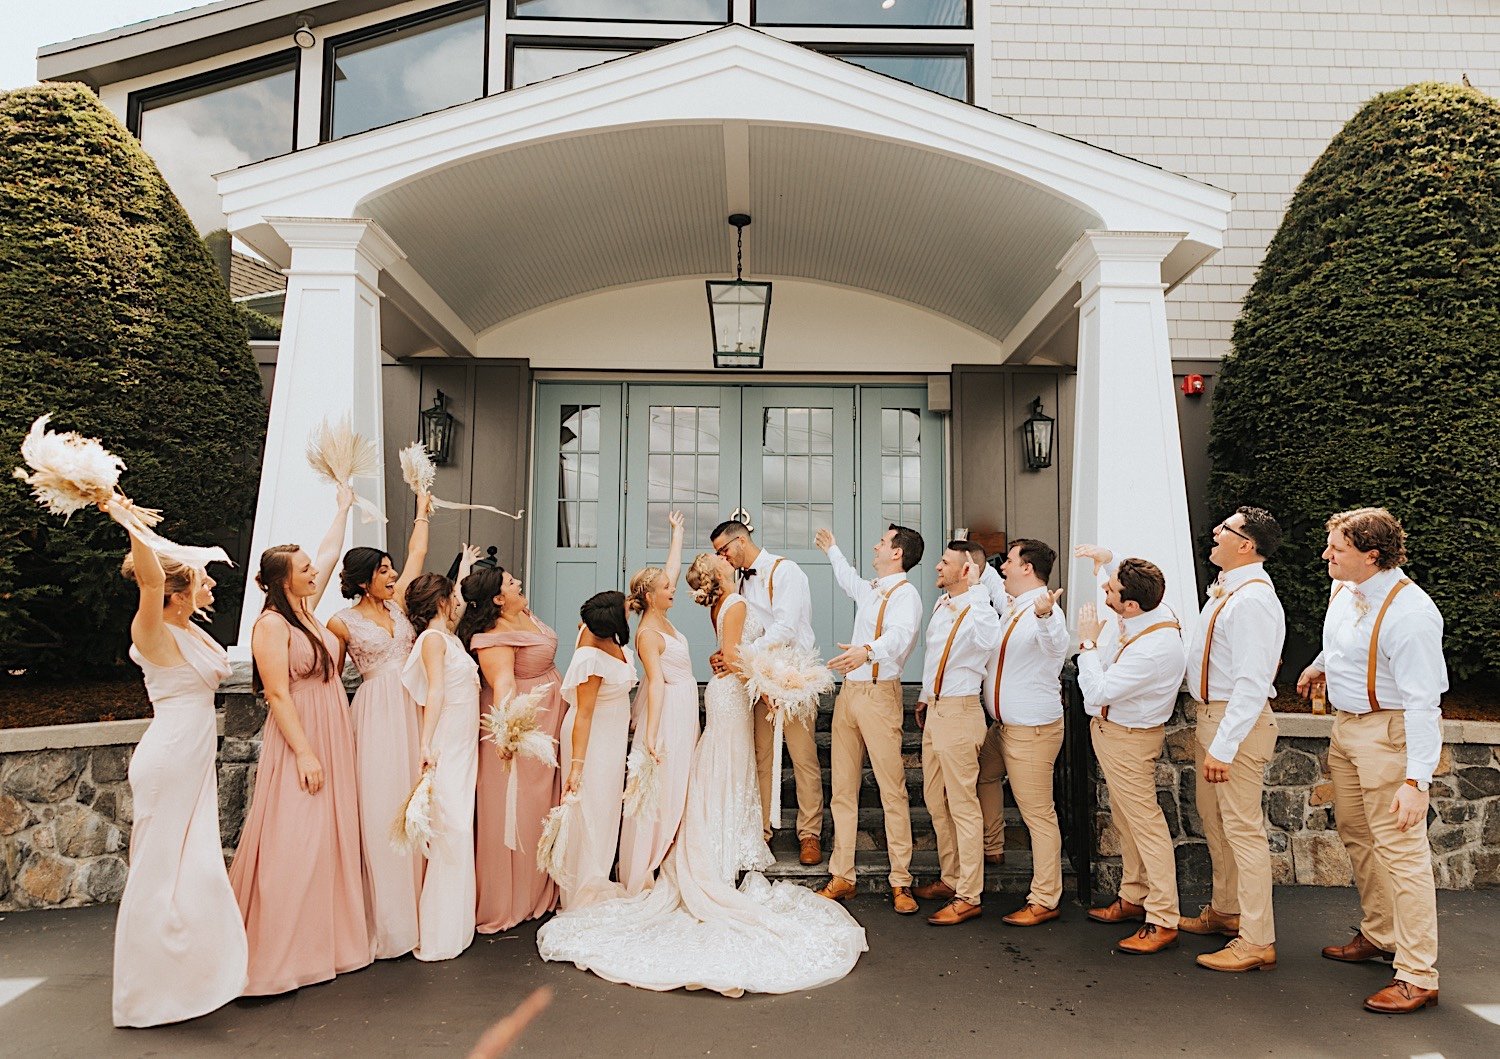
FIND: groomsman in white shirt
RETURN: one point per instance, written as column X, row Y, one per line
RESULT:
column 777, row 588
column 1023, row 696
column 868, row 712
column 1130, row 696
column 962, row 633
column 1383, row 668
column 1233, row 656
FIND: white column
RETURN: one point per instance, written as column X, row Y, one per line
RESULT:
column 1129, row 492
column 328, row 365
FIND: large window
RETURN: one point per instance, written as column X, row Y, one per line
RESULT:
column 578, row 477
column 533, row 59
column 906, row 13
column 400, row 70
column 944, row 70
column 713, row 11
column 205, row 125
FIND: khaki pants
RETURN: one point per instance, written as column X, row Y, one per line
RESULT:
column 867, row 717
column 1127, row 757
column 805, row 768
column 1235, row 824
column 950, row 776
column 1027, row 754
column 1393, row 869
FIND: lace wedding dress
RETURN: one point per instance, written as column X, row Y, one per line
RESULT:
column 694, row 928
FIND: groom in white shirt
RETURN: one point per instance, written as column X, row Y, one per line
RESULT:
column 778, row 590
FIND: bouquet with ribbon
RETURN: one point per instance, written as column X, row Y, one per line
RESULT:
column 338, row 455
column 515, row 727
column 792, row 679
column 419, row 472
column 70, row 472
column 415, row 825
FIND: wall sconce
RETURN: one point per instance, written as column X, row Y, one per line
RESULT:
column 738, row 311
column 303, row 35
column 1036, row 437
column 437, row 430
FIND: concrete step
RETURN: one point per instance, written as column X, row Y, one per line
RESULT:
column 1014, row 876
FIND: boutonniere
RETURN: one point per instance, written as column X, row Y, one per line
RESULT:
column 1216, row 590
column 1361, row 605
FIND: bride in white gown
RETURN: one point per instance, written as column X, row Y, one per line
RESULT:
column 694, row 928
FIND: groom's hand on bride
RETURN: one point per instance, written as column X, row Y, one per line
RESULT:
column 852, row 658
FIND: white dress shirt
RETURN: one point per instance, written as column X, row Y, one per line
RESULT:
column 1140, row 683
column 1410, row 672
column 991, row 581
column 898, row 630
column 977, row 639
column 787, row 618
column 1030, row 689
column 1246, row 652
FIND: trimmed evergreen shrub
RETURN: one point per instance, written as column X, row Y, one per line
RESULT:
column 1366, row 361
column 113, row 318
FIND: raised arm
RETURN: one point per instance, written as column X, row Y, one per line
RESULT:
column 674, row 550
column 148, row 630
column 844, row 573
column 416, row 548
column 583, row 721
column 433, row 650
column 651, row 645
column 467, row 558
column 270, row 643
column 328, row 551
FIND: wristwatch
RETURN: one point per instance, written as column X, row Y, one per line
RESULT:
column 1087, row 645
column 1420, row 785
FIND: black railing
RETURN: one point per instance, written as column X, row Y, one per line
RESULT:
column 1074, row 785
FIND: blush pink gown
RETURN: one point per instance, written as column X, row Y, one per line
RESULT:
column 388, row 757
column 297, row 873
column 179, row 940
column 644, row 841
column 511, row 888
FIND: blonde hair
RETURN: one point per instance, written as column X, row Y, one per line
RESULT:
column 1373, row 529
column 642, row 584
column 703, row 579
column 180, row 578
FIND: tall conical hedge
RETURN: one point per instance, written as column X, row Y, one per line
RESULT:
column 113, row 318
column 1366, row 360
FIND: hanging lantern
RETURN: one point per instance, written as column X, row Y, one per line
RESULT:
column 738, row 311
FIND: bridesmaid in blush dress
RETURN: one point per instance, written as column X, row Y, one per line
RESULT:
column 297, row 873
column 378, row 637
column 179, row 941
column 594, row 733
column 445, row 680
column 665, row 715
column 516, row 652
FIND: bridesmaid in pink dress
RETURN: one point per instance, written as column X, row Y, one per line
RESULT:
column 179, row 941
column 665, row 715
column 378, row 637
column 516, row 652
column 297, row 873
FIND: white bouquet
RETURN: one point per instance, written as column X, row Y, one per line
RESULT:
column 338, row 455
column 792, row 679
column 561, row 824
column 415, row 825
column 515, row 726
column 643, row 788
column 419, row 472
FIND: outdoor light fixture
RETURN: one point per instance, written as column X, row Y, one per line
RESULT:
column 303, row 35
column 437, row 430
column 1036, row 437
column 738, row 311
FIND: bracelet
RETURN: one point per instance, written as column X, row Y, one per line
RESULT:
column 423, row 519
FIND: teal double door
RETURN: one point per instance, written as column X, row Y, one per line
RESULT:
column 613, row 459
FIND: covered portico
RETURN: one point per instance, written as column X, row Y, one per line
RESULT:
column 571, row 223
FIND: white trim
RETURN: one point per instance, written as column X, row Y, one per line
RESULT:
column 67, row 736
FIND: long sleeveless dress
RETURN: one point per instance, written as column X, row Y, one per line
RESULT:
column 180, row 947
column 644, row 841
column 388, row 758
column 446, row 914
column 695, row 929
column 297, row 872
column 591, row 853
column 511, row 888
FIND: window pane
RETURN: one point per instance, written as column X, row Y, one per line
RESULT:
column 773, row 433
column 708, row 429
column 567, row 525
column 861, row 13
column 890, row 479
column 911, row 478
column 529, row 64
column 797, row 429
column 911, row 431
column 772, row 529
column 661, row 428
column 822, row 430
column 588, row 476
column 407, row 71
column 658, row 477
column 773, row 478
column 588, row 525
column 822, row 478
column 796, row 478
column 194, row 134
column 708, row 479
column 685, row 431
column 627, row 10
column 683, row 475
column 947, row 75
column 658, row 530
column 890, row 430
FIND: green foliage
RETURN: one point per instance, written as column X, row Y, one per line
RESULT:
column 258, row 324
column 1366, row 361
column 113, row 318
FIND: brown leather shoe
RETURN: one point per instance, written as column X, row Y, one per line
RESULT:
column 1359, row 949
column 1117, row 911
column 903, row 902
column 1210, row 920
column 937, row 890
column 1030, row 915
column 812, row 852
column 1401, row 998
column 838, row 889
column 995, row 858
column 1239, row 955
column 1149, row 939
column 955, row 912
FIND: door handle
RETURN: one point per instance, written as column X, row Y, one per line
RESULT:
column 742, row 516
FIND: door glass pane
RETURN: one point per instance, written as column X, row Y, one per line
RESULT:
column 796, row 485
column 822, row 431
column 901, row 466
column 658, row 477
column 683, row 469
column 578, row 477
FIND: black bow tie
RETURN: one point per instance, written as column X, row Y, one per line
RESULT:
column 747, row 574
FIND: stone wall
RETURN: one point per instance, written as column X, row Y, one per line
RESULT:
column 1463, row 821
